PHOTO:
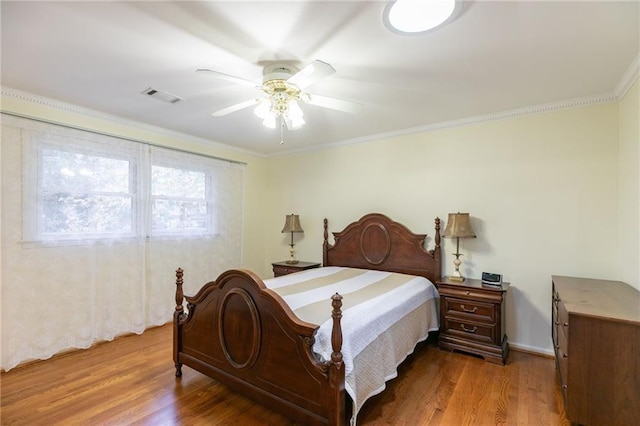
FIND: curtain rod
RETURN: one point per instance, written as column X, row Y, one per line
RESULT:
column 68, row 126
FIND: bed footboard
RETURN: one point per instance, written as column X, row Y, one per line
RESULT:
column 244, row 335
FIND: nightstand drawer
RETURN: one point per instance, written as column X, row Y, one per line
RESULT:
column 470, row 330
column 284, row 268
column 470, row 293
column 470, row 309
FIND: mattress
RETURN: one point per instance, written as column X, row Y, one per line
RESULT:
column 384, row 316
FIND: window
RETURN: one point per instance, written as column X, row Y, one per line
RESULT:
column 85, row 195
column 180, row 202
column 107, row 189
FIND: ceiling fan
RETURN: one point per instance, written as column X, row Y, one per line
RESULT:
column 283, row 86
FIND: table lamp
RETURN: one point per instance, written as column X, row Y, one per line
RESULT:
column 292, row 224
column 458, row 226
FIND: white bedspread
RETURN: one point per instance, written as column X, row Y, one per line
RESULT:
column 384, row 316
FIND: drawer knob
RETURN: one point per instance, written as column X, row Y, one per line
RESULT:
column 467, row 292
column 564, row 386
column 565, row 356
column 468, row 330
column 475, row 308
column 566, row 324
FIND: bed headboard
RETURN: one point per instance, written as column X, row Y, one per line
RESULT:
column 377, row 242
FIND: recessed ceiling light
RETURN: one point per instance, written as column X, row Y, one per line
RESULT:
column 419, row 16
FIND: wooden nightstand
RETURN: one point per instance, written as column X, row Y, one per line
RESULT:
column 284, row 268
column 472, row 319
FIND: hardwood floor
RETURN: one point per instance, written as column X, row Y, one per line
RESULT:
column 131, row 381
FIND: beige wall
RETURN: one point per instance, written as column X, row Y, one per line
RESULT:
column 629, row 207
column 541, row 191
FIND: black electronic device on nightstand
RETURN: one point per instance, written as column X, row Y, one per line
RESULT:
column 490, row 278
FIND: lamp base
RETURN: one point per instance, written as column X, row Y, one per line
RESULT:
column 292, row 256
column 455, row 279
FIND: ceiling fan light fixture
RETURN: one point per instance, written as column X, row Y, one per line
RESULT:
column 269, row 121
column 419, row 16
column 281, row 102
column 263, row 109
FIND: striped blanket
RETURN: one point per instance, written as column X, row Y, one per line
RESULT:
column 384, row 316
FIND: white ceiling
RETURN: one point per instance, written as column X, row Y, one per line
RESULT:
column 494, row 57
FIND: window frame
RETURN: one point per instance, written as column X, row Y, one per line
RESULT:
column 142, row 157
column 132, row 194
column 178, row 164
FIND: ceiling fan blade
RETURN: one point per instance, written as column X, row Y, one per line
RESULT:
column 315, row 71
column 231, row 78
column 236, row 107
column 334, row 103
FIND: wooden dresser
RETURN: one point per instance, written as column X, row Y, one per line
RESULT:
column 596, row 337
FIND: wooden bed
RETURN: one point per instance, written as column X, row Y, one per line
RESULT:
column 243, row 334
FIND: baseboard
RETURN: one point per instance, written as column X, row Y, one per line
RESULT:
column 531, row 350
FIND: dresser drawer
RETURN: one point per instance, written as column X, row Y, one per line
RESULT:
column 562, row 356
column 562, row 320
column 470, row 309
column 554, row 319
column 470, row 330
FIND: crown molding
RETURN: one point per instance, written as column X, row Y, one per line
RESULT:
column 87, row 112
column 621, row 89
column 627, row 80
column 469, row 121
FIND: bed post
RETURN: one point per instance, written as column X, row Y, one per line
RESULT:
column 336, row 366
column 178, row 315
column 325, row 244
column 437, row 249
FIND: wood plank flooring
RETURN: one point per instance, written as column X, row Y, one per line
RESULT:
column 130, row 381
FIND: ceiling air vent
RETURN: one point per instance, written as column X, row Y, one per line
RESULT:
column 162, row 96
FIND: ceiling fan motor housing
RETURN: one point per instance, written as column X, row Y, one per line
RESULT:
column 278, row 72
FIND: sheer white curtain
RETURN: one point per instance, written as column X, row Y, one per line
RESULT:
column 110, row 271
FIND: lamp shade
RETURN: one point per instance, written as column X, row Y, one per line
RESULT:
column 459, row 226
column 292, row 223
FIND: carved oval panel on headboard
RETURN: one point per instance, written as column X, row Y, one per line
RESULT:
column 239, row 328
column 375, row 243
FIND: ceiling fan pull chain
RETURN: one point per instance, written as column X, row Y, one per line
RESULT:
column 281, row 131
